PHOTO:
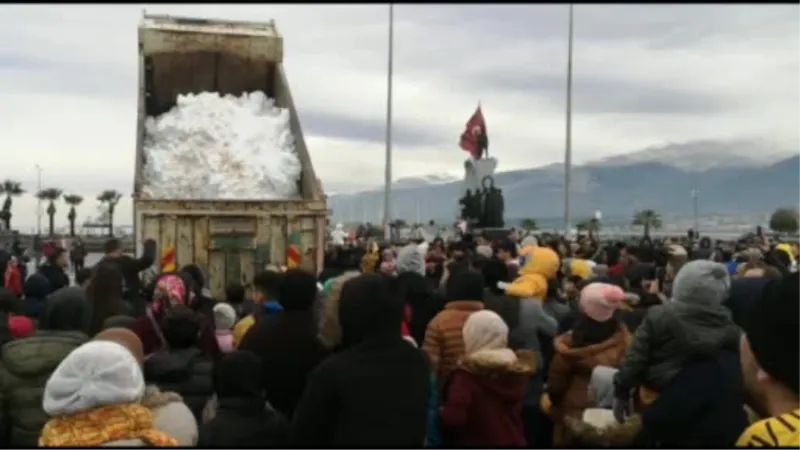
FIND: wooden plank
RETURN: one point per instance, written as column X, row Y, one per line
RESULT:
column 151, row 228
column 185, row 241
column 247, row 261
column 181, row 73
column 200, row 243
column 237, row 75
column 263, row 255
column 216, row 274
column 278, row 234
column 167, row 239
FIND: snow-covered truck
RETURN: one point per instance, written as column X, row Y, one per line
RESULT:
column 229, row 239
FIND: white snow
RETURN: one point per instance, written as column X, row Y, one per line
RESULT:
column 213, row 147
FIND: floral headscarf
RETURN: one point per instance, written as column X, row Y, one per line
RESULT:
column 169, row 289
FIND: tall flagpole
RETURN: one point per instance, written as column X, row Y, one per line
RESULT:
column 568, row 146
column 387, row 187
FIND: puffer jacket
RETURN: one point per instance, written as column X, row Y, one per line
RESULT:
column 25, row 367
column 444, row 341
column 186, row 372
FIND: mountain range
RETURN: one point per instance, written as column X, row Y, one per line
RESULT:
column 735, row 176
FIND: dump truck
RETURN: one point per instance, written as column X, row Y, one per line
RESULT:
column 230, row 240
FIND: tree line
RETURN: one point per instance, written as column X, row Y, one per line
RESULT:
column 13, row 189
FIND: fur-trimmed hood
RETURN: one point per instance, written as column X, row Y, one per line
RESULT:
column 503, row 372
column 615, row 435
column 153, row 397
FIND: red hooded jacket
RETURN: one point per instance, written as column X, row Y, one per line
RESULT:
column 483, row 404
column 13, row 279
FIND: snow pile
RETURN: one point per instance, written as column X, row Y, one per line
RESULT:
column 221, row 147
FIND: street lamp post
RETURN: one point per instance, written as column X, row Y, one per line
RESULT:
column 568, row 138
column 696, row 211
column 387, row 188
column 39, row 200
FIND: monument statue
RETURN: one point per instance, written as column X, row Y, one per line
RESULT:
column 482, row 204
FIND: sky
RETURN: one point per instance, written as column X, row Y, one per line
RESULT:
column 644, row 75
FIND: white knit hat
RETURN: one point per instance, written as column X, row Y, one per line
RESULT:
column 224, row 316
column 484, row 330
column 98, row 373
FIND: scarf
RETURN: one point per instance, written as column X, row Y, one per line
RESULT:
column 103, row 425
column 169, row 291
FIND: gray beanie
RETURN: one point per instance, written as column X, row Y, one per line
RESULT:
column 411, row 258
column 701, row 283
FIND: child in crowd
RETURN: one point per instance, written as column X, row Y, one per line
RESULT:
column 224, row 320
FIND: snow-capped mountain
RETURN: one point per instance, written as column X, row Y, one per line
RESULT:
column 697, row 156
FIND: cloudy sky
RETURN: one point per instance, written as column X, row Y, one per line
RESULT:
column 644, row 75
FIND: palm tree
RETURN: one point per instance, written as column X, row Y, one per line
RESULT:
column 72, row 201
column 648, row 219
column 11, row 189
column 110, row 198
column 529, row 224
column 50, row 195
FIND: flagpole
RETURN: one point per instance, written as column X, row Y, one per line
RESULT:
column 387, row 188
column 568, row 138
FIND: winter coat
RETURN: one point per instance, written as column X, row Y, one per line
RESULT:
column 483, row 406
column 186, row 372
column 244, row 422
column 56, row 276
column 287, row 343
column 444, row 342
column 25, row 366
column 744, row 292
column 374, row 392
column 541, row 264
column 669, row 335
column 701, row 407
column 571, row 371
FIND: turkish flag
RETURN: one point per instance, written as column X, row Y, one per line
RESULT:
column 470, row 138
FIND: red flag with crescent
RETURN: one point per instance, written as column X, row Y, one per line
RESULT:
column 475, row 127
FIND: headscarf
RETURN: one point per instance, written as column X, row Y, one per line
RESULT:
column 170, row 290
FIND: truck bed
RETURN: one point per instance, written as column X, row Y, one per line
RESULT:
column 229, row 239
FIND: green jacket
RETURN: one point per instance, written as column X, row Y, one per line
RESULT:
column 25, row 367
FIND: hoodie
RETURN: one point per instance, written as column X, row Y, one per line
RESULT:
column 36, row 288
column 374, row 391
column 541, row 264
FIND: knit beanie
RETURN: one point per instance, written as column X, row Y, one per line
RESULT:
column 224, row 316
column 98, row 373
column 599, row 301
column 484, row 330
column 772, row 327
column 701, row 283
column 125, row 338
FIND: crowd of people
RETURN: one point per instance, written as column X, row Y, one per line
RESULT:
column 537, row 342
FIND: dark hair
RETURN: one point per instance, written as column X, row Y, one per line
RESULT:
column 57, row 252
column 267, row 282
column 83, row 275
column 197, row 275
column 234, row 294
column 297, row 290
column 111, row 245
column 105, row 294
column 181, row 327
column 494, row 271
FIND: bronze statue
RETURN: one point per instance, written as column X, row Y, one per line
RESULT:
column 493, row 205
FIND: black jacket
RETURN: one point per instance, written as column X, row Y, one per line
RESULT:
column 56, row 276
column 701, row 407
column 244, row 422
column 374, row 392
column 419, row 294
column 287, row 343
column 131, row 267
column 186, row 372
